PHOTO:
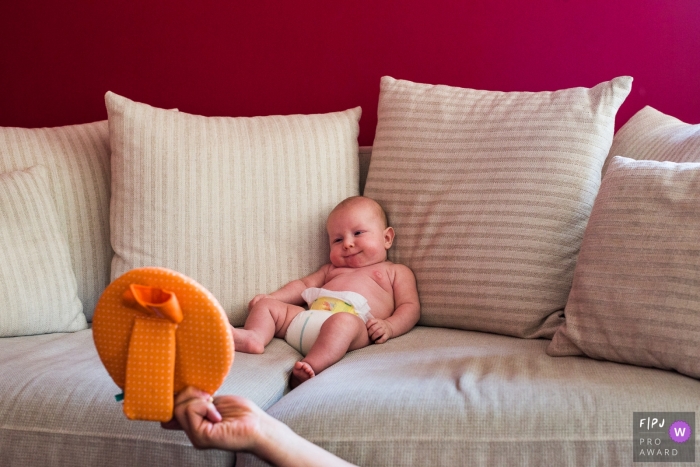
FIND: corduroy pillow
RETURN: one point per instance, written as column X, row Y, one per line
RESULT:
column 636, row 292
column 489, row 193
column 652, row 135
column 38, row 290
column 238, row 204
column 77, row 161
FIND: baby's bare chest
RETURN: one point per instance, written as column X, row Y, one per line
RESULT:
column 361, row 277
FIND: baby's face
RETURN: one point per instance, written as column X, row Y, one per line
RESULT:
column 358, row 236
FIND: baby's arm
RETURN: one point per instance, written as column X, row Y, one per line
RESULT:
column 406, row 313
column 291, row 292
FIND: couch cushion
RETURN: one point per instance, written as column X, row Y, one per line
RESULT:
column 365, row 156
column 450, row 397
column 58, row 408
column 636, row 291
column 489, row 193
column 238, row 204
column 38, row 291
column 653, row 135
column 77, row 159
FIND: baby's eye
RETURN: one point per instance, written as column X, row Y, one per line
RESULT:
column 359, row 232
column 337, row 240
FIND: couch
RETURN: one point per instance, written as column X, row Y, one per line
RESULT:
column 494, row 374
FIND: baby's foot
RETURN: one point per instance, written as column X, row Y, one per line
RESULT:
column 247, row 341
column 301, row 372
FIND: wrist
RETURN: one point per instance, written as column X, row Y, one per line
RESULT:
column 273, row 444
column 264, row 440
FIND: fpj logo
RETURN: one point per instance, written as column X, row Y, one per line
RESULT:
column 664, row 436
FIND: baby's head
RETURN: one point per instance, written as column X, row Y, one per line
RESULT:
column 358, row 233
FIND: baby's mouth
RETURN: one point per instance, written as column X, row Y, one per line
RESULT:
column 350, row 256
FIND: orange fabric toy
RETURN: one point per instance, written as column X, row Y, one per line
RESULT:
column 158, row 331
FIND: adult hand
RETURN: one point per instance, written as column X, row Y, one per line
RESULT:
column 379, row 330
column 234, row 423
column 227, row 422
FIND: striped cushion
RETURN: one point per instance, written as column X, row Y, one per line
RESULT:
column 77, row 159
column 489, row 193
column 652, row 135
column 38, row 290
column 238, row 204
column 636, row 291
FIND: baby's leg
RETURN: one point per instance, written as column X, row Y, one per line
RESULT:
column 269, row 318
column 340, row 333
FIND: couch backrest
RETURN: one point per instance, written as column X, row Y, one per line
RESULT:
column 365, row 155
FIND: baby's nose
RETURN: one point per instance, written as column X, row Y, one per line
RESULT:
column 348, row 243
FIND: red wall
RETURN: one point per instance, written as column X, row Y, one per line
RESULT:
column 259, row 57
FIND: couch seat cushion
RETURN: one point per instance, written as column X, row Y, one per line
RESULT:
column 449, row 397
column 58, row 407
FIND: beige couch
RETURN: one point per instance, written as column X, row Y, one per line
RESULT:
column 439, row 395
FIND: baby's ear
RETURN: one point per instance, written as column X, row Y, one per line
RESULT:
column 388, row 237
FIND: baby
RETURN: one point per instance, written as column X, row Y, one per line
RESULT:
column 358, row 298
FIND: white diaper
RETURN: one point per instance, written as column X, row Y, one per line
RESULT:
column 306, row 326
column 304, row 329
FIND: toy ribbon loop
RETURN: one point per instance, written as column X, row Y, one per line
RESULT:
column 150, row 367
column 154, row 301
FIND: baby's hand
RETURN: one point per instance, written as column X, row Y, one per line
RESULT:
column 256, row 299
column 379, row 330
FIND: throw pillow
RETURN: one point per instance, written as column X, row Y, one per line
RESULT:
column 652, row 135
column 77, row 160
column 636, row 292
column 238, row 204
column 489, row 193
column 38, row 289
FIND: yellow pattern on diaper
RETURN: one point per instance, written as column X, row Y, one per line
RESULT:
column 334, row 305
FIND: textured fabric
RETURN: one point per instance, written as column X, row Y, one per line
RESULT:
column 365, row 155
column 238, row 204
column 489, row 193
column 57, row 406
column 652, row 135
column 38, row 291
column 77, row 159
column 636, row 291
column 443, row 397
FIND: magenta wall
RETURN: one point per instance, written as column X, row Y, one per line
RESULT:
column 259, row 57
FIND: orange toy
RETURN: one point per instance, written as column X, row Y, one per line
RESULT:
column 158, row 331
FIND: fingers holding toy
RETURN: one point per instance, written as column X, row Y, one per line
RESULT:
column 224, row 422
column 379, row 330
column 190, row 404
